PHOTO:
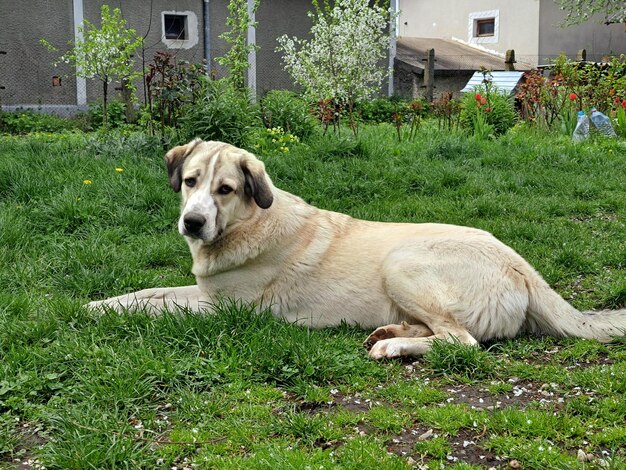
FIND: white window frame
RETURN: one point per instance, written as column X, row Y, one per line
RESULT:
column 472, row 37
column 192, row 30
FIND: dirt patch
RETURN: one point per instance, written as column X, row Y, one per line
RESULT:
column 522, row 394
column 29, row 438
column 466, row 447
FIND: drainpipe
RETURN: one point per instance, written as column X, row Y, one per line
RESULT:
column 206, row 20
column 252, row 53
column 394, row 8
column 81, row 82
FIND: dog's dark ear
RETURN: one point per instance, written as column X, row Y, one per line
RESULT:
column 174, row 160
column 257, row 185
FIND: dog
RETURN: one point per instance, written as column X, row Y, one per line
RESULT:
column 411, row 283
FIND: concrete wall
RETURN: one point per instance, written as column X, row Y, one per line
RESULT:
column 598, row 39
column 26, row 69
column 517, row 23
column 275, row 18
column 409, row 81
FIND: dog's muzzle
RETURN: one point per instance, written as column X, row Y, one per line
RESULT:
column 193, row 223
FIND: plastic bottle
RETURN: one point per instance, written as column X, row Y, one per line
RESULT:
column 602, row 123
column 582, row 128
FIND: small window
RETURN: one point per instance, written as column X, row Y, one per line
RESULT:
column 485, row 27
column 175, row 26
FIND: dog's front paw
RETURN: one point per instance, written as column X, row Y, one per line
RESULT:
column 96, row 305
column 387, row 348
column 103, row 306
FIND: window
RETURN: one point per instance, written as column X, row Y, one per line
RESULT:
column 485, row 27
column 179, row 29
column 175, row 27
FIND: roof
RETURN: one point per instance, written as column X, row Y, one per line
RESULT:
column 449, row 55
column 503, row 81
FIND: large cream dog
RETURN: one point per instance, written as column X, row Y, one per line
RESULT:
column 412, row 282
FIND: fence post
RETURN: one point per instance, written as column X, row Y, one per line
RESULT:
column 581, row 55
column 509, row 60
column 429, row 75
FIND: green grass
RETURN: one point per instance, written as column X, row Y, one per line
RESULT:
column 242, row 390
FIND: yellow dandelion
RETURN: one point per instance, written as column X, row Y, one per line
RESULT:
column 119, row 170
column 87, row 181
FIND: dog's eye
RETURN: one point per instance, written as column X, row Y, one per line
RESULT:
column 225, row 189
column 191, row 182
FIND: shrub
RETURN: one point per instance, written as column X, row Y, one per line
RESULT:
column 171, row 85
column 116, row 114
column 24, row 122
column 493, row 109
column 552, row 102
column 380, row 109
column 223, row 113
column 282, row 108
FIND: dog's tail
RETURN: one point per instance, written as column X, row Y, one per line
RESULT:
column 549, row 313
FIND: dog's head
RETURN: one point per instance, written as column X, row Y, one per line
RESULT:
column 221, row 185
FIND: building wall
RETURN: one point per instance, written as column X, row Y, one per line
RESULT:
column 26, row 69
column 517, row 23
column 598, row 39
column 146, row 19
column 274, row 21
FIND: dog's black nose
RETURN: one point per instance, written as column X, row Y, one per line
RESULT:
column 194, row 222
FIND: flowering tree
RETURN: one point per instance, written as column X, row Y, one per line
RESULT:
column 104, row 53
column 579, row 11
column 341, row 64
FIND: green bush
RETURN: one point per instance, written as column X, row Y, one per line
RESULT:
column 223, row 113
column 282, row 108
column 116, row 111
column 498, row 111
column 25, row 122
column 381, row 109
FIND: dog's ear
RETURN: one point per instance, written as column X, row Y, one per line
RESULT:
column 257, row 185
column 174, row 160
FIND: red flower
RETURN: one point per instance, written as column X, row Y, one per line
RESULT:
column 624, row 104
column 617, row 99
column 572, row 96
column 477, row 96
column 488, row 109
column 483, row 100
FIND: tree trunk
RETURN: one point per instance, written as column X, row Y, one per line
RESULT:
column 105, row 111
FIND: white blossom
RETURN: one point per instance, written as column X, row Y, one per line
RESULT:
column 343, row 59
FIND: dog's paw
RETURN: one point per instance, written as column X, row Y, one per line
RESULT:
column 384, row 332
column 403, row 330
column 96, row 305
column 103, row 306
column 387, row 348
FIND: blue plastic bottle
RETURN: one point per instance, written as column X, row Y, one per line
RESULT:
column 602, row 123
column 582, row 128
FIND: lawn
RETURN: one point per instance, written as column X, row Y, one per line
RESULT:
column 84, row 218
